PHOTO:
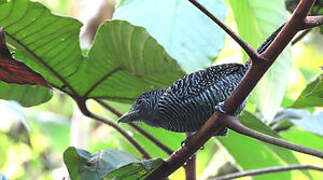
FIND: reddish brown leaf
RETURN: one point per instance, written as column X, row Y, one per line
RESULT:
column 13, row 71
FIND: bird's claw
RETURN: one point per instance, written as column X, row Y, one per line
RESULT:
column 183, row 143
column 219, row 108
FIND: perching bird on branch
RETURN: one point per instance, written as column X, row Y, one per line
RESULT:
column 190, row 101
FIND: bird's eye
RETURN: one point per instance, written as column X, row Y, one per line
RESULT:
column 139, row 101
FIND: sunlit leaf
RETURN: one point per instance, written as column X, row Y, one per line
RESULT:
column 263, row 18
column 307, row 139
column 312, row 95
column 251, row 154
column 254, row 123
column 187, row 34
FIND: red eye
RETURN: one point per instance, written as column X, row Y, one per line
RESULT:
column 139, row 101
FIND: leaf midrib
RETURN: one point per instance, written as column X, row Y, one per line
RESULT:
column 49, row 68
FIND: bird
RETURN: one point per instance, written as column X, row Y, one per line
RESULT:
column 190, row 101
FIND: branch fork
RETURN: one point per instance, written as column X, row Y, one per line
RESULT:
column 260, row 64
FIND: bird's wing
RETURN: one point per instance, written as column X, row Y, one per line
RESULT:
column 195, row 83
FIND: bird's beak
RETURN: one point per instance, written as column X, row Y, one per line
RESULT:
column 129, row 117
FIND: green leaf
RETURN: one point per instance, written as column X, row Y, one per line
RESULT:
column 263, row 18
column 187, row 34
column 46, row 43
column 144, row 63
column 304, row 138
column 107, row 163
column 123, row 62
column 254, row 123
column 251, row 154
column 26, row 95
column 312, row 95
column 307, row 139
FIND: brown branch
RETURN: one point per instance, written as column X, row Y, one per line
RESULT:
column 190, row 164
column 255, row 172
column 235, row 125
column 178, row 158
column 86, row 112
column 259, row 68
column 137, row 128
column 252, row 53
column 311, row 22
column 256, row 71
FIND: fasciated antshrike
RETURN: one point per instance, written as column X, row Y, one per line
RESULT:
column 190, row 101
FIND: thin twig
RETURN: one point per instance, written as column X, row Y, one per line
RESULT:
column 190, row 165
column 235, row 125
column 301, row 36
column 137, row 128
column 312, row 22
column 267, row 171
column 252, row 53
column 86, row 112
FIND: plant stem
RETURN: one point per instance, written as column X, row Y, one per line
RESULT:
column 137, row 128
column 267, row 171
column 235, row 125
column 86, row 112
column 190, row 165
column 311, row 22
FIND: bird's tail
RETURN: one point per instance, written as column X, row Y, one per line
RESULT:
column 266, row 44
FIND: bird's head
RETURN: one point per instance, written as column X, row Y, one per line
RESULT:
column 144, row 109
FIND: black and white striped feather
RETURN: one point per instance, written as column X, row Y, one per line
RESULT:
column 190, row 101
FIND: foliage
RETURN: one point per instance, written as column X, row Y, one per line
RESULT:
column 126, row 60
column 107, row 164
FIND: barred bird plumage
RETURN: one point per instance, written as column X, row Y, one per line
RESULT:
column 190, row 101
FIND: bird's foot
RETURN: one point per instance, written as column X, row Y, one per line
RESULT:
column 183, row 143
column 219, row 108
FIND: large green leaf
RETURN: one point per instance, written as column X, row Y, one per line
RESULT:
column 123, row 62
column 253, row 122
column 26, row 95
column 308, row 139
column 144, row 63
column 187, row 34
column 108, row 164
column 251, row 154
column 262, row 19
column 312, row 95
